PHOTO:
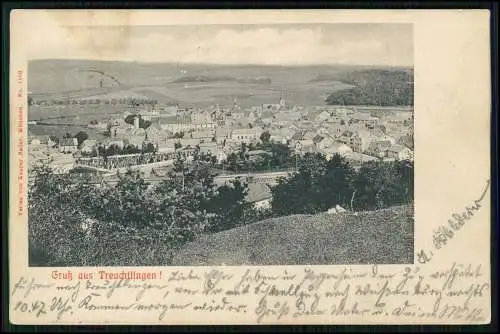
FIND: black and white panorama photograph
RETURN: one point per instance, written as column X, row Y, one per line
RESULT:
column 206, row 145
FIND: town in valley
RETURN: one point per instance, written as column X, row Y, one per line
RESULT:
column 234, row 140
column 249, row 145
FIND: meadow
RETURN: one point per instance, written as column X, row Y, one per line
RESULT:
column 79, row 79
column 51, row 80
column 73, row 118
column 382, row 236
column 74, row 113
column 60, row 130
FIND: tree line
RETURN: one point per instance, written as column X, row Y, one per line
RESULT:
column 114, row 149
column 78, row 223
column 320, row 184
column 375, row 87
column 88, row 101
column 273, row 156
column 143, row 124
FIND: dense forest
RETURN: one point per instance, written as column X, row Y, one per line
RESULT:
column 374, row 87
column 78, row 223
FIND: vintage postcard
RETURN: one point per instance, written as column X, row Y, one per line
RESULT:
column 243, row 167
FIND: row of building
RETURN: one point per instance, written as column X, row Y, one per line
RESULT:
column 325, row 129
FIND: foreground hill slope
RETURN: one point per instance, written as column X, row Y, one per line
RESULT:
column 383, row 237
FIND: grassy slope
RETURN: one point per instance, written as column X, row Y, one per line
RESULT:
column 382, row 237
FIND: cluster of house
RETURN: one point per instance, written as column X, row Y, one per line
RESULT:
column 64, row 145
column 330, row 130
column 356, row 135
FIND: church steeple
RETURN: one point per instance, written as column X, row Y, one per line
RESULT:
column 282, row 100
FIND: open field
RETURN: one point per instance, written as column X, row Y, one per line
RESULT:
column 61, row 130
column 84, row 80
column 56, row 79
column 383, row 236
column 74, row 113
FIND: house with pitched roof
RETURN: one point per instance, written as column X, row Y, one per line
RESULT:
column 335, row 148
column 356, row 157
column 245, row 135
column 281, row 135
column 309, row 135
column 42, row 140
column 68, row 145
column 88, row 146
column 222, row 134
column 184, row 123
column 259, row 195
column 398, row 152
column 365, row 119
column 203, row 116
column 378, row 148
column 202, row 134
column 325, row 141
column 406, row 140
column 322, row 116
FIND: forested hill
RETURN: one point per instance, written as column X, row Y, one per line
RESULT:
column 375, row 87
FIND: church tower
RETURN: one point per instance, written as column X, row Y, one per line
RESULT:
column 282, row 100
column 235, row 104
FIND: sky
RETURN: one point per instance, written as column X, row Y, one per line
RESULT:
column 384, row 44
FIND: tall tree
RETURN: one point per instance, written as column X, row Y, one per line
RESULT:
column 81, row 137
column 265, row 137
column 228, row 206
column 317, row 185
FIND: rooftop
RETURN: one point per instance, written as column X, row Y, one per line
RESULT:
column 181, row 119
column 397, row 148
column 68, row 142
column 89, row 142
column 363, row 117
column 42, row 138
column 359, row 157
column 258, row 192
column 244, row 131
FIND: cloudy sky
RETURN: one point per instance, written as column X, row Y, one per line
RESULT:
column 278, row 44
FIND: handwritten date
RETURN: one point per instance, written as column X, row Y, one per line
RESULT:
column 57, row 305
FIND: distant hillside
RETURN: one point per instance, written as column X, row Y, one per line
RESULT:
column 377, row 87
column 261, row 80
column 56, row 75
column 203, row 78
column 169, row 82
column 382, row 237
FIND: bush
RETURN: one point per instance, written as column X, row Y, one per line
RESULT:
column 77, row 223
column 320, row 184
column 74, row 222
